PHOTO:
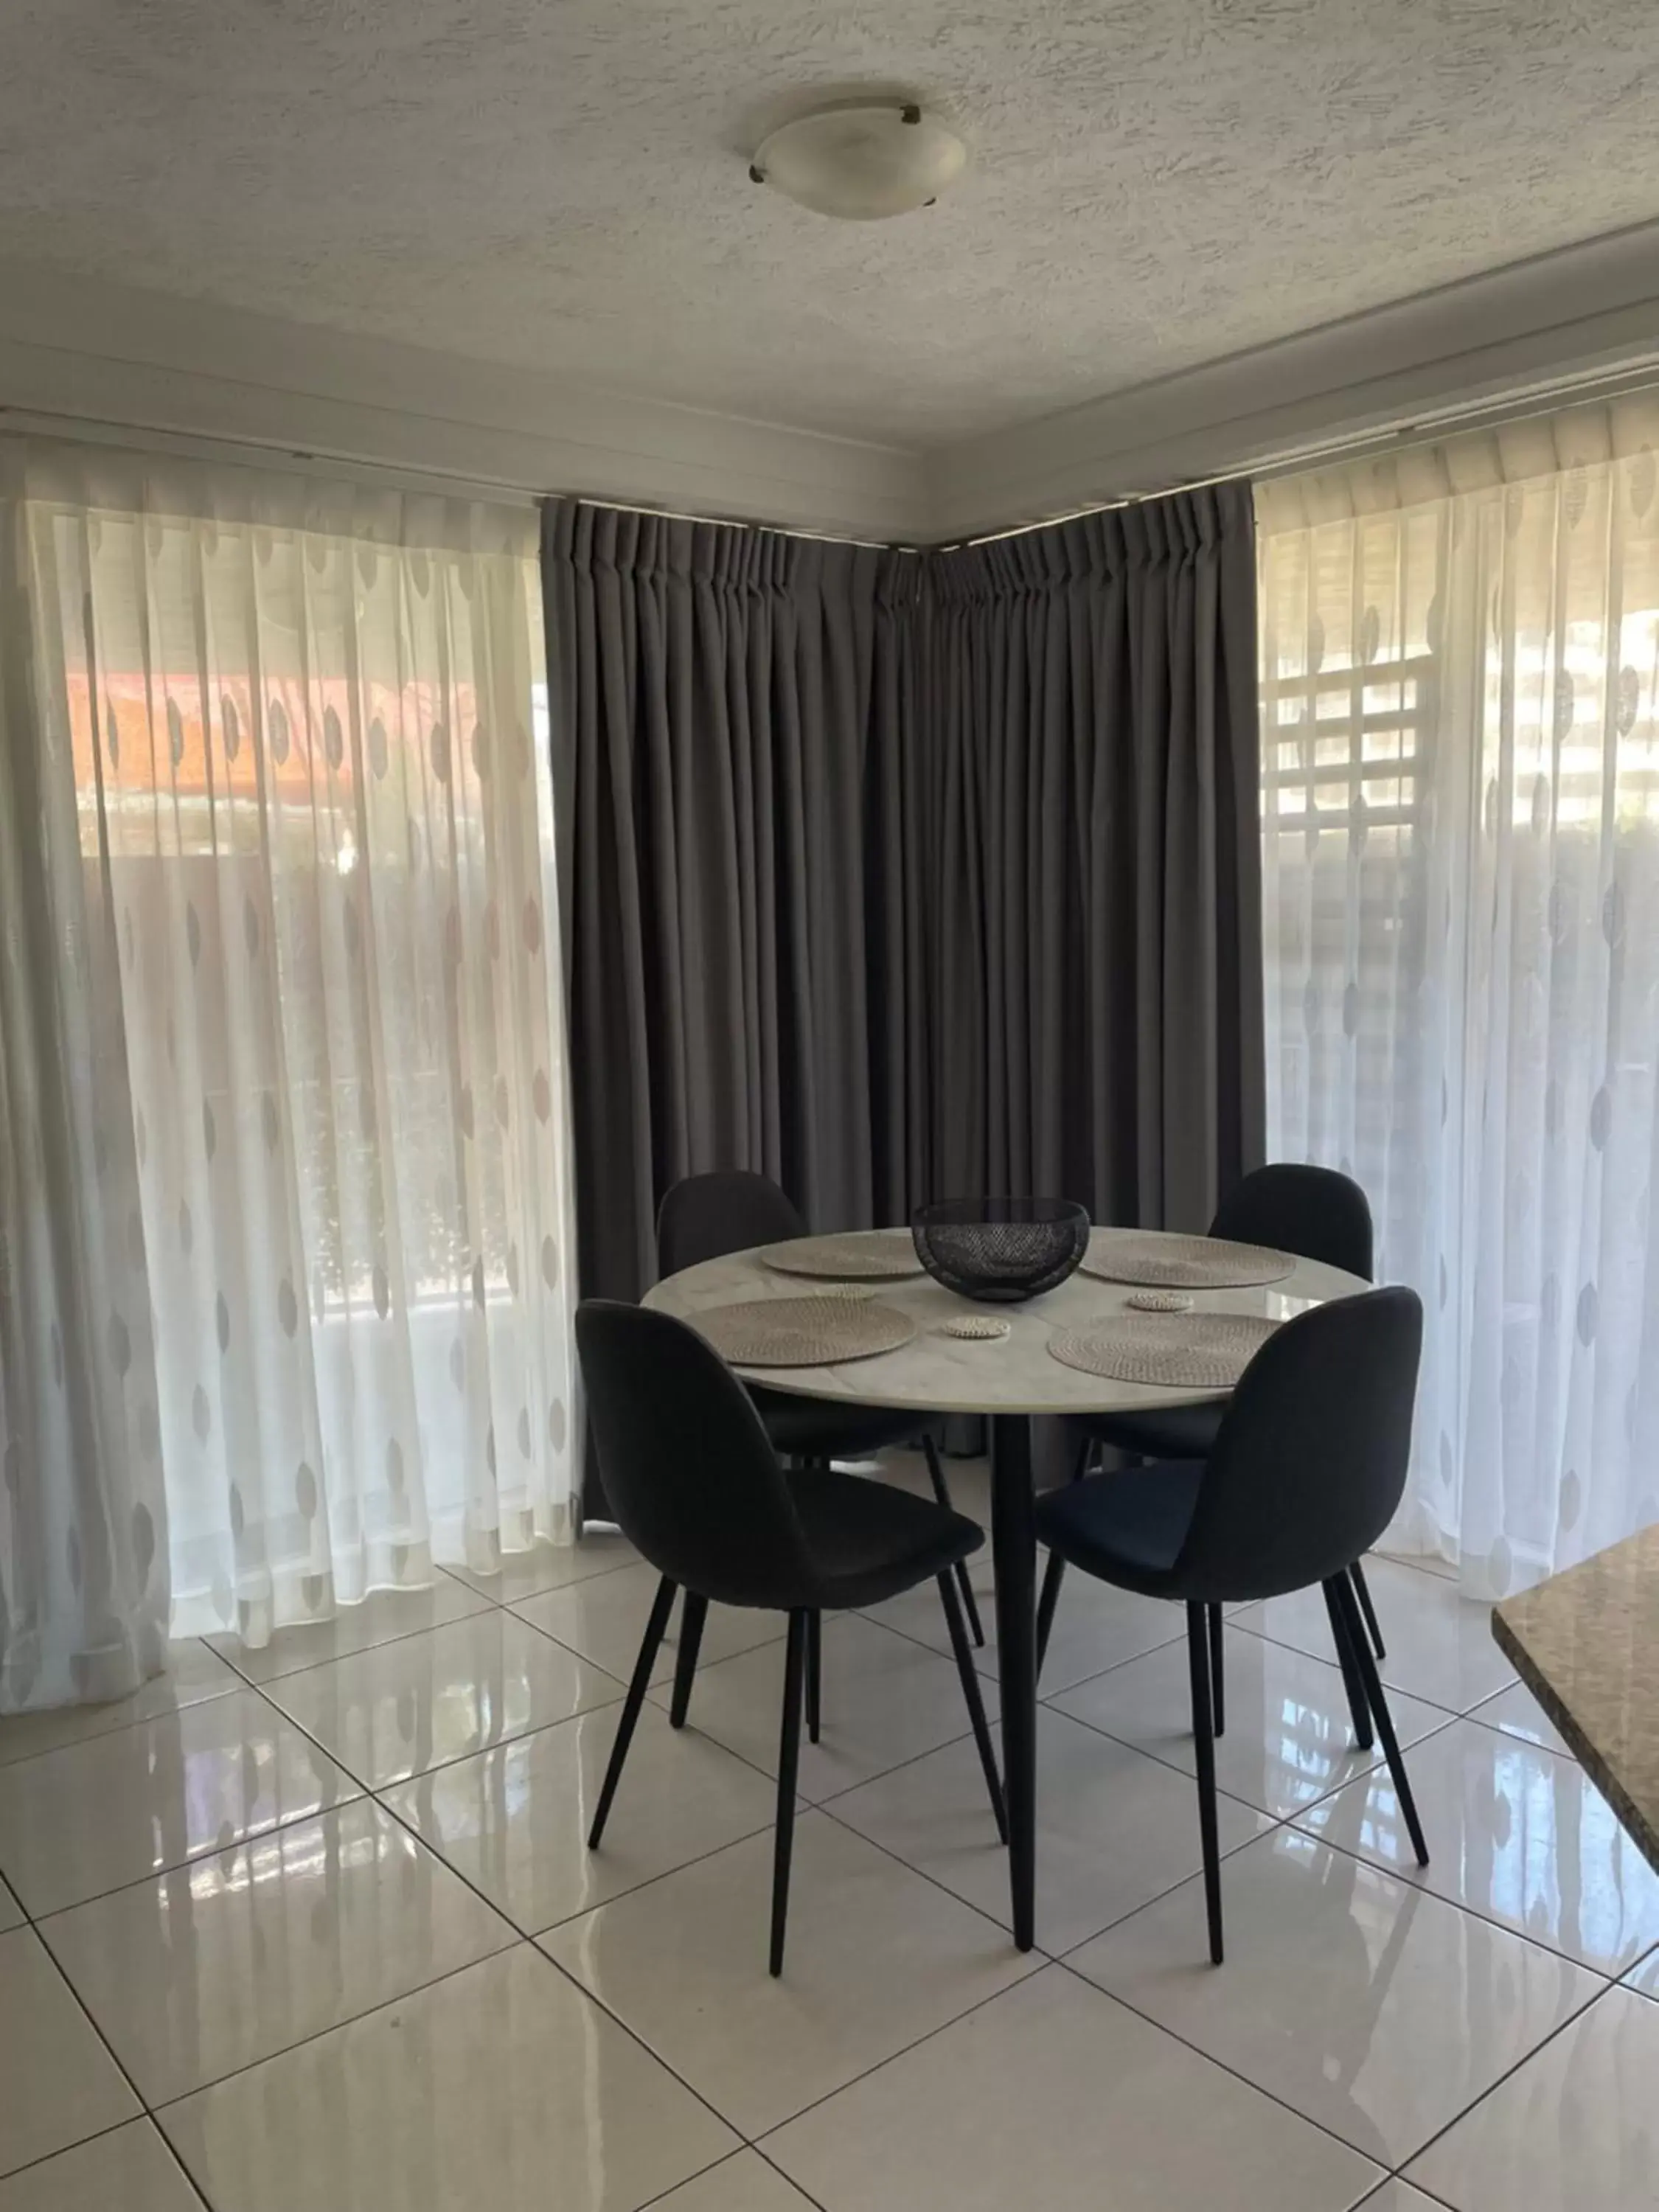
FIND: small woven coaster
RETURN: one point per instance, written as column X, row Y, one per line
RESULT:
column 1201, row 1352
column 867, row 1255
column 978, row 1328
column 1189, row 1263
column 818, row 1332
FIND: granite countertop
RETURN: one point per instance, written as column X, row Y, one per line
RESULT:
column 1586, row 1643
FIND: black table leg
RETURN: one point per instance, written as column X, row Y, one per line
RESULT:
column 1013, row 1542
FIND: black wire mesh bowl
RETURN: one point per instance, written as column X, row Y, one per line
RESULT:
column 1000, row 1249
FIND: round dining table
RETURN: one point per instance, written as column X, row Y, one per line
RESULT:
column 1006, row 1381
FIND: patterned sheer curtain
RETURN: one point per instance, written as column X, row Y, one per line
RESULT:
column 1460, row 671
column 297, row 729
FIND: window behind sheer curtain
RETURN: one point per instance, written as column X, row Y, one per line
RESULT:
column 303, row 728
column 1461, row 844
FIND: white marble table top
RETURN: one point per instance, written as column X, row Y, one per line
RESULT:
column 1014, row 1374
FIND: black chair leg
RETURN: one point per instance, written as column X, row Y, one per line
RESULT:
column 662, row 1606
column 814, row 1672
column 1198, row 1659
column 1218, row 1672
column 942, row 1497
column 693, row 1613
column 1357, row 1577
column 794, row 1669
column 976, row 1700
column 1379, row 1705
column 1352, row 1680
column 1053, row 1575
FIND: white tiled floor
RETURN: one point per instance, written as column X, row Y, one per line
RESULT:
column 265, row 1930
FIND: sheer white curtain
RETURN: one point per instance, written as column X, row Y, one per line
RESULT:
column 83, row 1560
column 1460, row 660
column 299, row 727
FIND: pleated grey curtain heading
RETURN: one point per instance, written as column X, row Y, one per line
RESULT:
column 899, row 876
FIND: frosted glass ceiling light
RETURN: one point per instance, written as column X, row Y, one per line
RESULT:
column 861, row 162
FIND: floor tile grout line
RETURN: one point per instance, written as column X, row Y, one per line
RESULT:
column 787, row 2179
column 1400, row 2173
column 454, row 1575
column 1394, row 2171
column 1393, row 1689
column 656, row 2056
column 655, row 2203
column 1236, row 1621
column 1385, row 2172
column 1061, row 1691
column 363, row 1797
column 460, row 1758
column 143, row 2111
column 124, row 1728
column 1398, row 1874
column 1280, row 1820
column 145, row 2118
column 585, row 1911
column 382, row 1643
column 922, row 1875
column 754, row 2143
column 516, row 1942
column 356, row 1796
column 758, row 2142
column 487, row 1603
column 1447, row 1576
column 441, row 1628
column 393, row 1812
column 1447, row 1720
column 725, row 1658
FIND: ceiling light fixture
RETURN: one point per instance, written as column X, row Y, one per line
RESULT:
column 861, row 160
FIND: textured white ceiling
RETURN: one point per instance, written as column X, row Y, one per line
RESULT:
column 561, row 184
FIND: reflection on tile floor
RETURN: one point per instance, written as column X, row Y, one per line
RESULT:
column 1520, row 1835
column 1289, row 1739
column 283, row 1898
column 1370, row 2006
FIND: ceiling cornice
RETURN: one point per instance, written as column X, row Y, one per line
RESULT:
column 96, row 352
column 80, row 350
column 1587, row 308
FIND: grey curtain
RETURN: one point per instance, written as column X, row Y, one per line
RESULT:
column 1092, row 725
column 734, row 735
column 899, row 876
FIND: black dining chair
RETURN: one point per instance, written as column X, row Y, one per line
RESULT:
column 704, row 1217
column 697, row 1489
column 1317, row 1213
column 1307, row 1469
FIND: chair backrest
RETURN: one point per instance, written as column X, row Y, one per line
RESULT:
column 688, row 1471
column 1309, row 1465
column 1316, row 1213
column 707, row 1216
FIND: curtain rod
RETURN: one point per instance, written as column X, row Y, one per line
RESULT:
column 1425, row 429
column 245, row 452
column 313, row 461
column 1421, row 430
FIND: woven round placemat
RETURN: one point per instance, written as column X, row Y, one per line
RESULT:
column 865, row 1255
column 1201, row 1352
column 817, row 1332
column 1184, row 1263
